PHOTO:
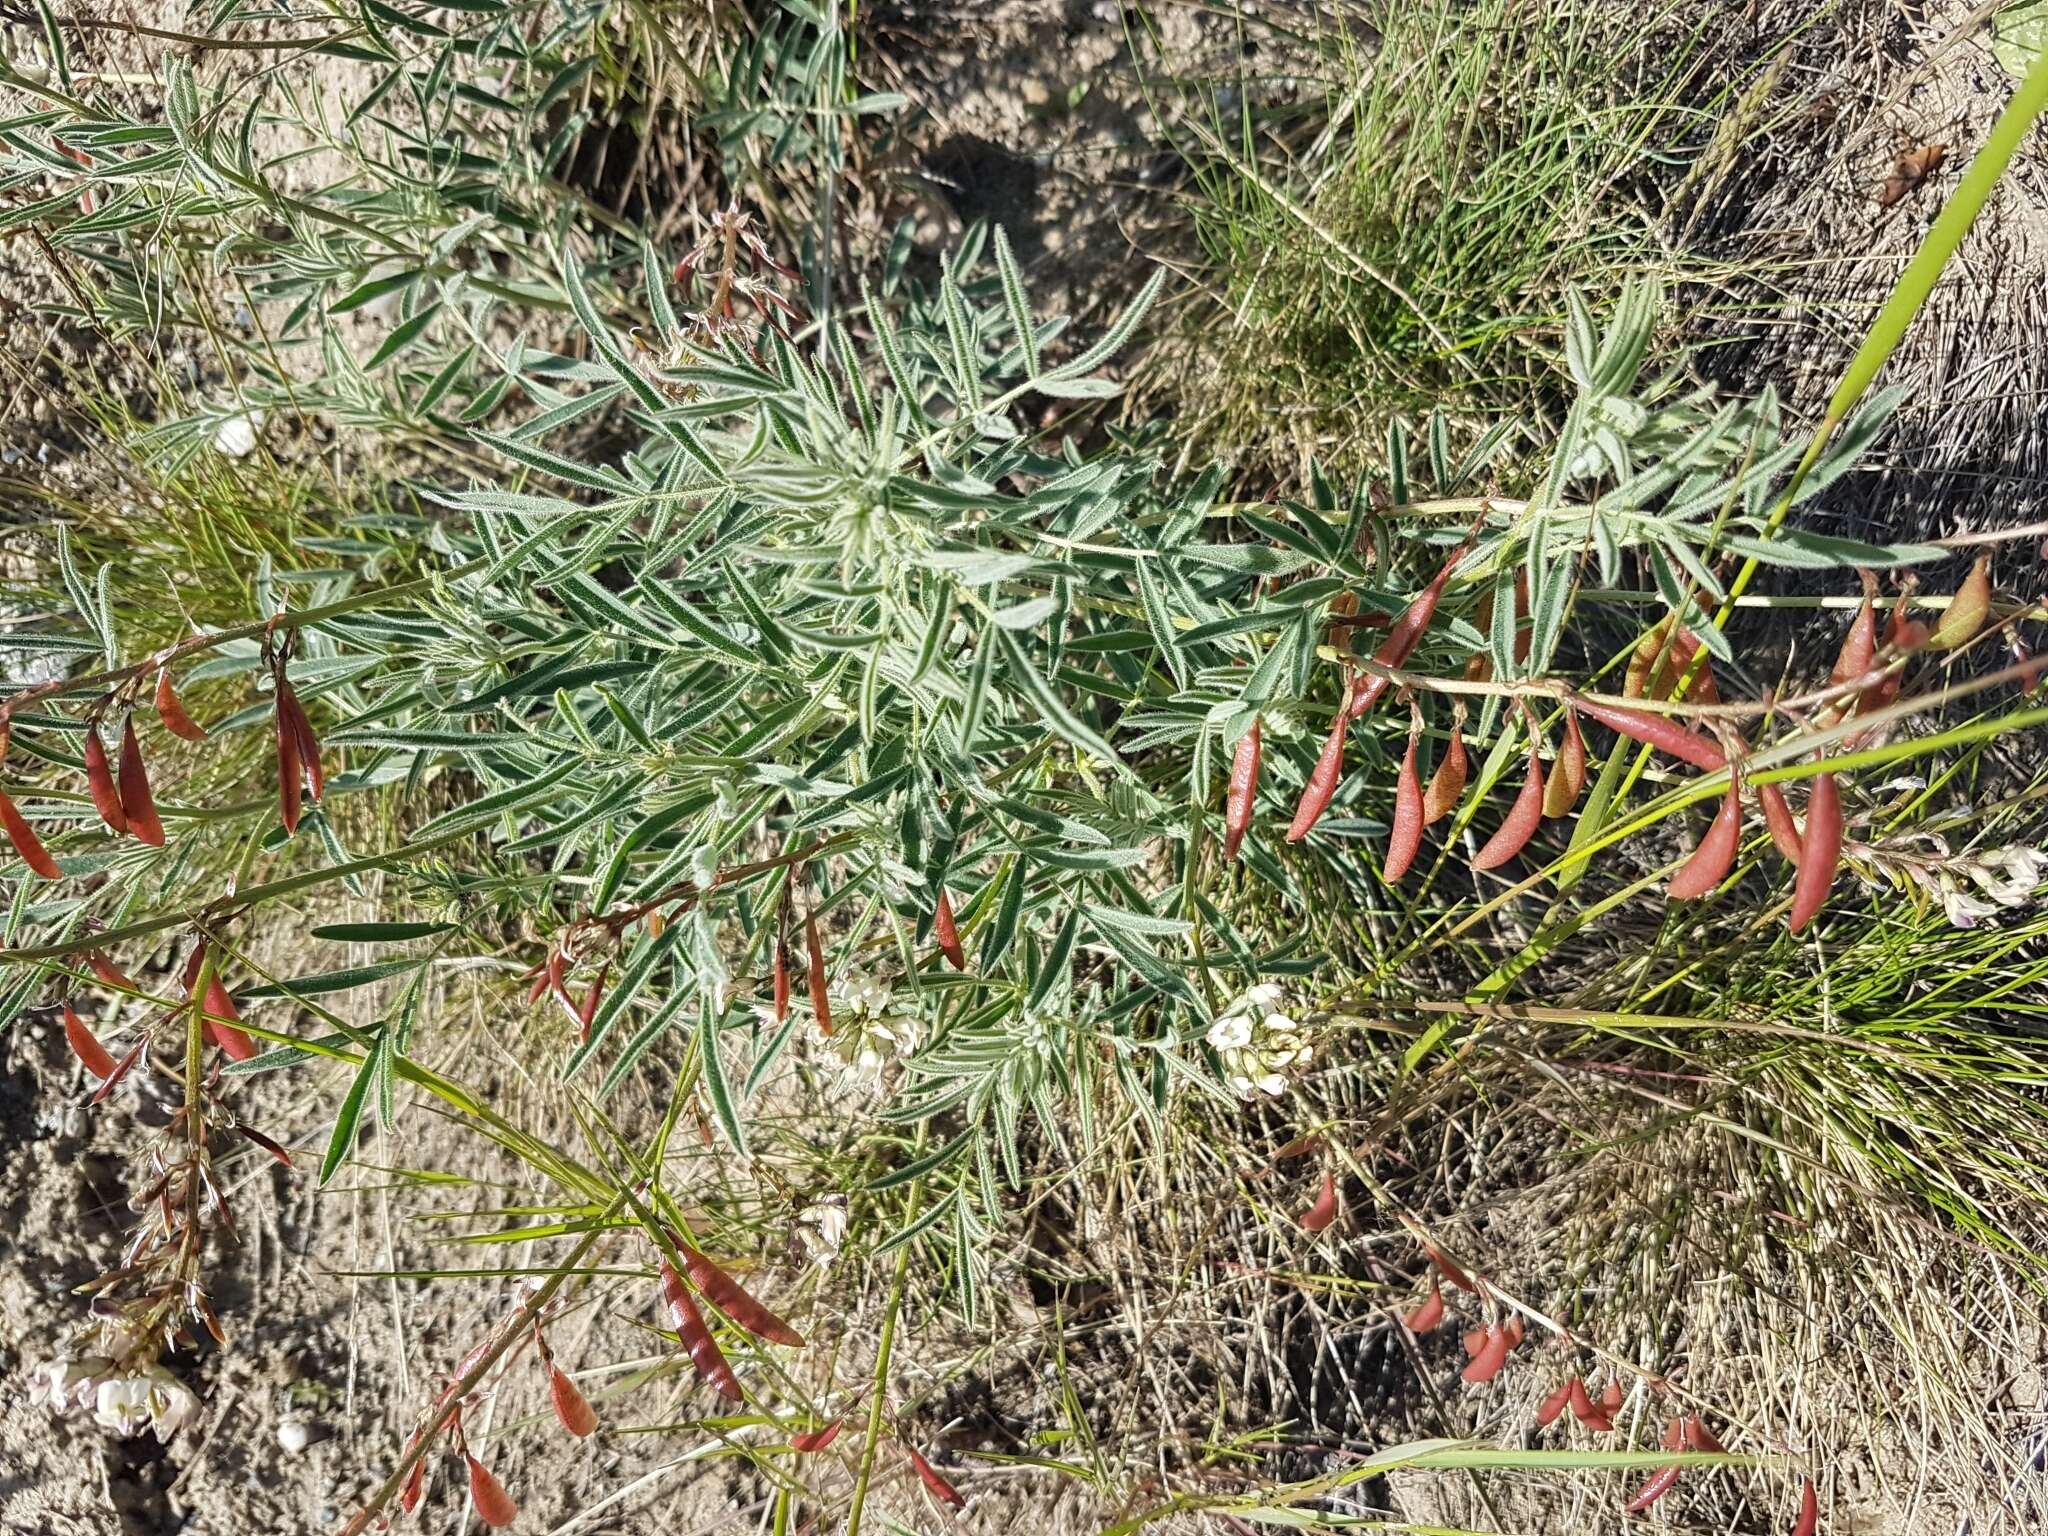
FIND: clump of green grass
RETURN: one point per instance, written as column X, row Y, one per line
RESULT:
column 1407, row 240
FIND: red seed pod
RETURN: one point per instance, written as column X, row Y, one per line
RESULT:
column 220, row 1006
column 724, row 1293
column 1711, row 861
column 1318, row 1216
column 99, row 779
column 26, row 843
column 1452, row 1272
column 587, row 1009
column 1701, row 1438
column 1809, row 1510
column 1967, row 610
column 928, row 1475
column 1493, row 1354
column 1658, row 731
column 415, row 1485
column 493, row 1504
column 303, row 739
column 571, row 1406
column 1406, row 835
column 288, row 771
column 539, row 988
column 1859, row 645
column 1447, row 784
column 137, row 803
column 1652, row 1491
column 1516, row 1330
column 781, row 977
column 821, row 1004
column 1568, row 773
column 1611, row 1396
column 947, row 932
column 172, row 712
column 1406, row 632
column 1522, row 819
column 1473, row 1340
column 1429, row 1314
column 1785, row 834
column 121, row 1070
column 817, row 1439
column 1583, row 1407
column 110, row 973
column 85, row 1045
column 1244, row 791
column 250, row 1133
column 1553, row 1405
column 696, row 1337
column 1820, row 851
column 1329, row 768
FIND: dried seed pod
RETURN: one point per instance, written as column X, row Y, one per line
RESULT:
column 1655, row 1489
column 1447, row 784
column 1568, row 772
column 1521, row 821
column 99, row 779
column 85, row 1045
column 724, row 1293
column 1243, row 793
column 817, row 1439
column 821, row 1004
column 493, row 1505
column 947, row 932
column 696, row 1337
column 1318, row 1216
column 415, row 1485
column 1429, row 1314
column 1583, row 1407
column 1553, row 1405
column 137, row 803
column 571, row 1406
column 1329, row 768
column 172, row 712
column 1493, row 1354
column 1406, row 834
column 1967, row 610
column 1658, row 731
column 928, row 1475
column 1820, row 851
column 1611, row 1396
column 26, row 843
column 1859, row 645
column 1809, row 1510
column 1711, row 861
column 782, row 957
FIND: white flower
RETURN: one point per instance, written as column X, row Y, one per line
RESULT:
column 66, row 1386
column 1964, row 909
column 151, row 1398
column 1264, row 995
column 236, row 437
column 1272, row 1085
column 1280, row 1024
column 2022, row 871
column 822, row 1227
column 1230, row 1032
column 865, row 994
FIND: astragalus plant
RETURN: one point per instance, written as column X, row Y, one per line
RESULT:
column 840, row 698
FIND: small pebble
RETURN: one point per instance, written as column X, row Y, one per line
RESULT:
column 294, row 1435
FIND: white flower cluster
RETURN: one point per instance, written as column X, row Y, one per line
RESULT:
column 1257, row 1055
column 1999, row 878
column 124, row 1399
column 866, row 1034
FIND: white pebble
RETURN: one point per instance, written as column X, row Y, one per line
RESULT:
column 294, row 1435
